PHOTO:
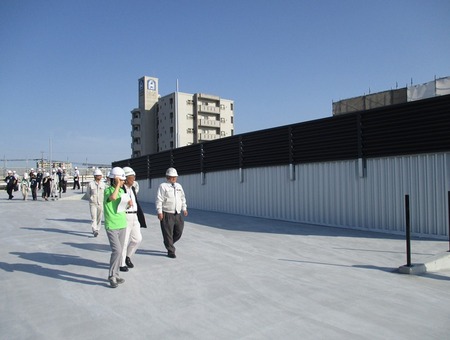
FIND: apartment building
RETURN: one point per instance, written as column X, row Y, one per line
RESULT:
column 177, row 119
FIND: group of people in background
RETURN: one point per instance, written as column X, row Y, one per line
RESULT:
column 124, row 216
column 51, row 184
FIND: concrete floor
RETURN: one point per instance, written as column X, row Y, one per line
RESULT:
column 235, row 277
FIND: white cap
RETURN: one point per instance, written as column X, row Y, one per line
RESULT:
column 128, row 171
column 117, row 172
column 171, row 172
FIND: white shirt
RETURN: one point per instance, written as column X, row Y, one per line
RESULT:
column 133, row 207
column 170, row 198
column 96, row 191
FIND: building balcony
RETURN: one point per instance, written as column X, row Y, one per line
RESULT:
column 135, row 134
column 209, row 109
column 209, row 123
column 207, row 136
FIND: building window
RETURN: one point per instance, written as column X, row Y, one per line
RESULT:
column 232, row 120
column 231, row 106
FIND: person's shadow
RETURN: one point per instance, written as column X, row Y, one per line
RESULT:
column 57, row 260
column 53, row 273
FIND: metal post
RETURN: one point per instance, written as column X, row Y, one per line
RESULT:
column 448, row 213
column 408, row 232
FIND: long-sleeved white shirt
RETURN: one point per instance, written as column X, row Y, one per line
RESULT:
column 170, row 198
column 95, row 191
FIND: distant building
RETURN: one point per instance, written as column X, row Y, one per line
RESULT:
column 437, row 87
column 177, row 119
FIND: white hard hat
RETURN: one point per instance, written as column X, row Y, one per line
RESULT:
column 76, row 168
column 47, row 174
column 171, row 172
column 128, row 171
column 117, row 172
column 98, row 172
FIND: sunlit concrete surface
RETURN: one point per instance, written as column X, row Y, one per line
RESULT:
column 234, row 278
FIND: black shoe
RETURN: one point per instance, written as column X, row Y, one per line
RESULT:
column 171, row 255
column 95, row 233
column 128, row 262
column 123, row 269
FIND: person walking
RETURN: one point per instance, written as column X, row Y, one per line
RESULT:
column 34, row 185
column 76, row 179
column 11, row 183
column 95, row 191
column 170, row 206
column 55, row 185
column 115, row 203
column 46, row 186
column 133, row 236
column 63, row 181
column 39, row 177
column 25, row 186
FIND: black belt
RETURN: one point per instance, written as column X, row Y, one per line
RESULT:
column 130, row 212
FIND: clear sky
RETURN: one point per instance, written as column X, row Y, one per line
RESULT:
column 69, row 69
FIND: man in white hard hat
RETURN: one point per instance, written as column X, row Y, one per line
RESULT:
column 170, row 206
column 133, row 236
column 76, row 179
column 10, row 184
column 95, row 191
column 114, row 205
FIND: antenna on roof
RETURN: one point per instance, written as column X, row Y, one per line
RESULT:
column 177, row 84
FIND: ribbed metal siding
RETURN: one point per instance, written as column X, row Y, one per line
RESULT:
column 333, row 193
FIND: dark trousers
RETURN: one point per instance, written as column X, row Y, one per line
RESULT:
column 172, row 228
column 34, row 192
column 76, row 183
column 9, row 190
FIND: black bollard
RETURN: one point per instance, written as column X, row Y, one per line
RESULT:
column 448, row 212
column 408, row 232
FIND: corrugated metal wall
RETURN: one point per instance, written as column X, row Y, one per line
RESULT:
column 330, row 193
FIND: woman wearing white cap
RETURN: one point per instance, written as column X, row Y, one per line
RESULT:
column 114, row 205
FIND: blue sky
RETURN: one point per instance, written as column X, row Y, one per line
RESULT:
column 69, row 69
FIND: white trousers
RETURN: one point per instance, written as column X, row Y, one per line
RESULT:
column 96, row 216
column 133, row 237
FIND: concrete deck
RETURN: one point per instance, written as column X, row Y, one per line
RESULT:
column 235, row 277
